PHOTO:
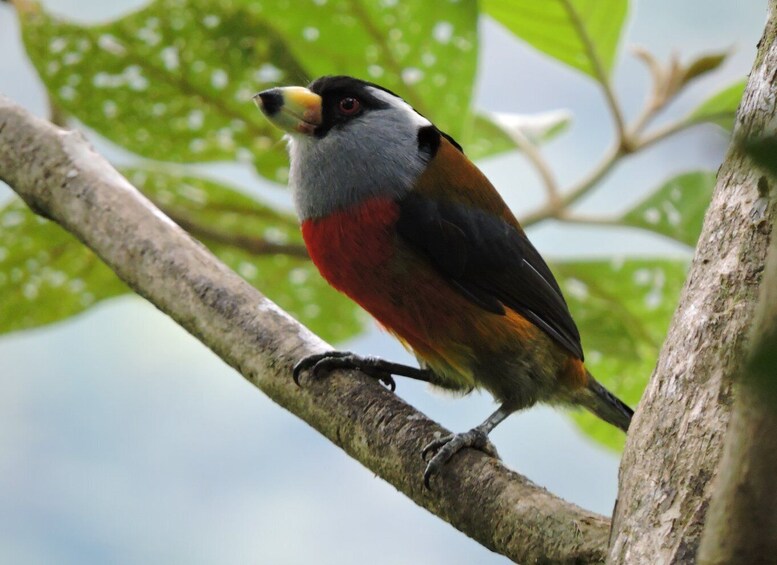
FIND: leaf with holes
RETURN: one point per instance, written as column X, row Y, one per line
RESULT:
column 263, row 246
column 623, row 310
column 676, row 209
column 427, row 56
column 46, row 274
column 721, row 108
column 584, row 34
column 173, row 81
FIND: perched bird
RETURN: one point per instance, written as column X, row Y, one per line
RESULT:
column 395, row 216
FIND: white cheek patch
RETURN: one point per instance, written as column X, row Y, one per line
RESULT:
column 409, row 113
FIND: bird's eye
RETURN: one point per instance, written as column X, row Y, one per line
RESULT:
column 349, row 106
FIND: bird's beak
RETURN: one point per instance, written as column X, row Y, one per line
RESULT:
column 292, row 108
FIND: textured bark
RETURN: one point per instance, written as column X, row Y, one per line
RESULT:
column 62, row 178
column 675, row 442
column 742, row 521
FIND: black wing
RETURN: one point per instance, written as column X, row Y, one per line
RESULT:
column 489, row 261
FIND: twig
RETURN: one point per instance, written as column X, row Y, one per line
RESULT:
column 601, row 74
column 557, row 208
column 534, row 156
column 675, row 127
column 253, row 245
column 577, row 191
column 590, row 220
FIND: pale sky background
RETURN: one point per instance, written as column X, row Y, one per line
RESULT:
column 123, row 440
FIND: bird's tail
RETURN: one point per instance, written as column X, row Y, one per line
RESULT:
column 605, row 404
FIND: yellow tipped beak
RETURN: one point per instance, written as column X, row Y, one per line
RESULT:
column 294, row 109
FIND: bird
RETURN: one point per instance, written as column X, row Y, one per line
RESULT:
column 395, row 216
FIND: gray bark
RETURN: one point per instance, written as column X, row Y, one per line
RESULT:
column 741, row 525
column 62, row 178
column 675, row 442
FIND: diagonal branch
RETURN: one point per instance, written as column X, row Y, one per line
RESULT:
column 61, row 177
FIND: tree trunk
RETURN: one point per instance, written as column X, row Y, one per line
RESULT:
column 742, row 522
column 675, row 442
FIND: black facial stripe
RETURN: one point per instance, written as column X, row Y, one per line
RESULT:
column 428, row 141
column 332, row 89
column 342, row 82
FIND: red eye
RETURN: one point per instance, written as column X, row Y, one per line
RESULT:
column 349, row 106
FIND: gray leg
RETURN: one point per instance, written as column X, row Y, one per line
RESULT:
column 446, row 447
column 322, row 363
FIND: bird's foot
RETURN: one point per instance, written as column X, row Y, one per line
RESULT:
column 446, row 447
column 321, row 364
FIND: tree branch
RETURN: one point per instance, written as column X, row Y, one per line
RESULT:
column 675, row 442
column 61, row 177
column 534, row 156
column 555, row 209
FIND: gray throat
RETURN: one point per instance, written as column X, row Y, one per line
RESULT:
column 374, row 156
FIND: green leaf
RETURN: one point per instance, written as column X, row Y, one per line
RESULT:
column 721, row 108
column 703, row 65
column 623, row 310
column 173, row 81
column 492, row 133
column 238, row 230
column 427, row 56
column 46, row 274
column 485, row 139
column 576, row 32
column 676, row 209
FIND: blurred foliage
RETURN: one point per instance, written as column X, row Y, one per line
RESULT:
column 242, row 232
column 676, row 209
column 46, row 274
column 170, row 80
column 584, row 34
column 720, row 107
column 622, row 308
column 174, row 80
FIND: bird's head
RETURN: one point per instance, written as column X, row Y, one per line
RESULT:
column 349, row 140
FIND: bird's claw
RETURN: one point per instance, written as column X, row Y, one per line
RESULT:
column 311, row 363
column 320, row 364
column 447, row 446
